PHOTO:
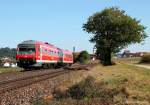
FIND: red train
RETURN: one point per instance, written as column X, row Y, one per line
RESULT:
column 32, row 53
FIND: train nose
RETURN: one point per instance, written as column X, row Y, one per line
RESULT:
column 25, row 60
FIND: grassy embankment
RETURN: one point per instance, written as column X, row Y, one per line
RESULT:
column 113, row 85
column 6, row 70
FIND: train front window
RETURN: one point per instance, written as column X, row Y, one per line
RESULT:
column 26, row 50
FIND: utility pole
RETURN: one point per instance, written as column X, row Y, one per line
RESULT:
column 74, row 49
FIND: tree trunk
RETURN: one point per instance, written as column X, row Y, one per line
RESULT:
column 106, row 56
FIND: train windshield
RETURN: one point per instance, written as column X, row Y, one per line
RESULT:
column 26, row 50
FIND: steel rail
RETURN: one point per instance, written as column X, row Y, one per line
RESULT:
column 22, row 82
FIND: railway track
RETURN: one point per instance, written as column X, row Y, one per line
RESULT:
column 12, row 84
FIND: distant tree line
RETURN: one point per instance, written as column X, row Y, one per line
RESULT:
column 8, row 52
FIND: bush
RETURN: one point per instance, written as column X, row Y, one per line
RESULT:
column 145, row 59
column 82, row 90
column 83, row 57
column 0, row 63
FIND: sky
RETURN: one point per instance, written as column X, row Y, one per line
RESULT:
column 60, row 22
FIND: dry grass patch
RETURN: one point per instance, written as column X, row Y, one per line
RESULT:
column 135, row 80
column 120, row 84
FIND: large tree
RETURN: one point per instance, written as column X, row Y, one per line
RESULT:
column 112, row 30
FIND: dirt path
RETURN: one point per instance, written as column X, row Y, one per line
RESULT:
column 138, row 65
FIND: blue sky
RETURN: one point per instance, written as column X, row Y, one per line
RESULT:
column 60, row 21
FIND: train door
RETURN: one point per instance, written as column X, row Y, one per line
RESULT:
column 60, row 54
column 41, row 53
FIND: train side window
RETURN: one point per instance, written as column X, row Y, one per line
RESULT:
column 45, row 50
column 49, row 52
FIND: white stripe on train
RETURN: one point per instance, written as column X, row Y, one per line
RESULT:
column 52, row 61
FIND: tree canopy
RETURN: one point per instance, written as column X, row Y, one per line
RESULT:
column 112, row 30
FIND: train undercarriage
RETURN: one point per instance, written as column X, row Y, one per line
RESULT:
column 30, row 64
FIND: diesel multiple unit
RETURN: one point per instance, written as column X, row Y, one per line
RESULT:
column 32, row 53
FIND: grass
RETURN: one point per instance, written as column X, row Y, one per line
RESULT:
column 115, row 85
column 116, row 80
column 6, row 70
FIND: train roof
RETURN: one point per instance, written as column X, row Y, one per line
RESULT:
column 35, row 42
column 28, row 42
